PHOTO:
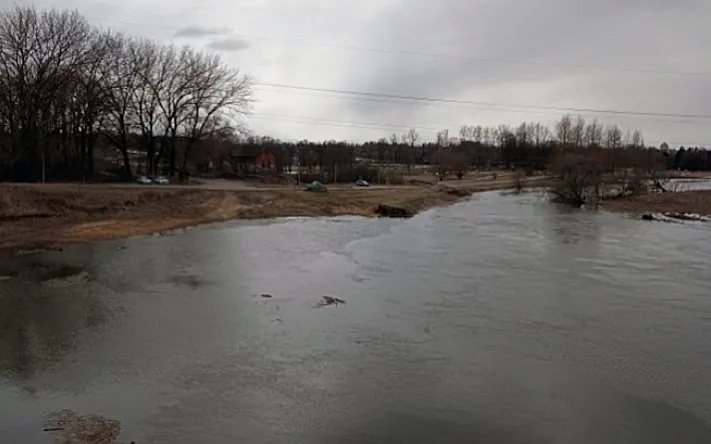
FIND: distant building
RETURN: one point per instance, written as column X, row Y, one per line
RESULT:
column 266, row 160
column 248, row 160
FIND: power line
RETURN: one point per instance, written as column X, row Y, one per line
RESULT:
column 336, row 123
column 497, row 108
column 476, row 103
column 379, row 126
column 433, row 55
column 370, row 96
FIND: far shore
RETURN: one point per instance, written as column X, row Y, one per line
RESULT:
column 690, row 202
column 42, row 216
column 35, row 216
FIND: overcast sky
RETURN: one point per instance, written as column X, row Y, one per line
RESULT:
column 628, row 55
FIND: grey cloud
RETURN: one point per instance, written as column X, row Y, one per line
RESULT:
column 229, row 44
column 542, row 37
column 200, row 31
column 471, row 40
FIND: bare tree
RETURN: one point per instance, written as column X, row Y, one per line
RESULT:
column 541, row 134
column 146, row 57
column 466, row 133
column 654, row 165
column 523, row 134
column 410, row 138
column 478, row 134
column 488, row 135
column 41, row 53
column 579, row 176
column 593, row 134
column 443, row 138
column 442, row 145
column 613, row 142
column 120, row 80
column 393, row 149
column 219, row 95
column 458, row 162
column 70, row 93
column 564, row 130
column 637, row 140
column 174, row 82
column 613, row 137
column 503, row 132
column 90, row 99
column 66, row 87
column 578, row 132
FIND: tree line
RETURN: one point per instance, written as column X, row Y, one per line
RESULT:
column 67, row 87
column 530, row 146
column 76, row 101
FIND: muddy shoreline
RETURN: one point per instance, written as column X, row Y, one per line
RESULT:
column 684, row 202
column 41, row 217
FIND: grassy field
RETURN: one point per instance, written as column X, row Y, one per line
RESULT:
column 41, row 215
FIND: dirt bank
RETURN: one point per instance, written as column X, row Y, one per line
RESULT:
column 695, row 202
column 40, row 216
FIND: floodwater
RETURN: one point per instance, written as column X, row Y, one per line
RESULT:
column 502, row 319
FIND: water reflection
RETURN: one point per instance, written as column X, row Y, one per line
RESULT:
column 501, row 319
column 39, row 321
column 39, row 324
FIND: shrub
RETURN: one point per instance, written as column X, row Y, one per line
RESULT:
column 579, row 177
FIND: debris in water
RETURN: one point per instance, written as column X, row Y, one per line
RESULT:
column 688, row 216
column 392, row 211
column 65, row 275
column 675, row 217
column 73, row 428
column 266, row 295
column 35, row 251
column 329, row 300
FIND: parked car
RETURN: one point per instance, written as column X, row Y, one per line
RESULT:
column 316, row 186
column 160, row 180
column 362, row 183
column 144, row 180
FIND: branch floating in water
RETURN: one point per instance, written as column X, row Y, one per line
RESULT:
column 330, row 300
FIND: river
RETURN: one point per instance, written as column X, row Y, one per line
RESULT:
column 502, row 319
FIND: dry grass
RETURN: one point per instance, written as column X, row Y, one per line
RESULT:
column 39, row 216
column 697, row 202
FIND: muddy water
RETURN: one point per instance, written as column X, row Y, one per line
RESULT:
column 499, row 320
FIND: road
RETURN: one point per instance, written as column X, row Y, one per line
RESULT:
column 237, row 185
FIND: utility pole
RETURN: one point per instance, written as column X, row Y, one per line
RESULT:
column 439, row 161
column 44, row 167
